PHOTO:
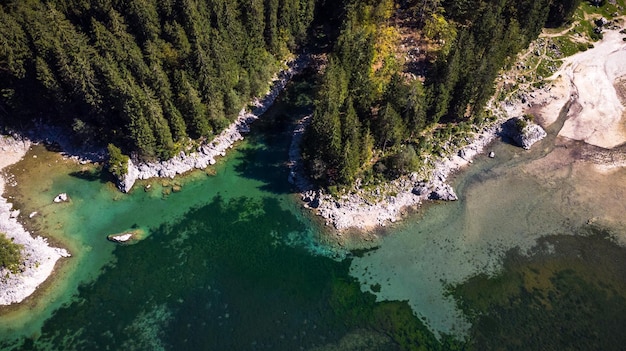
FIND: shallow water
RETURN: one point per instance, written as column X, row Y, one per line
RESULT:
column 506, row 204
column 232, row 262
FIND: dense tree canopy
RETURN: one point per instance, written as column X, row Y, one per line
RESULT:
column 142, row 74
column 367, row 106
column 147, row 75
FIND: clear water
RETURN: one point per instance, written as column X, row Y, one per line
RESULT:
column 506, row 203
column 231, row 261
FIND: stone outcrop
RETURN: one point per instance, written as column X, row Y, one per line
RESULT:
column 441, row 191
column 387, row 203
column 522, row 132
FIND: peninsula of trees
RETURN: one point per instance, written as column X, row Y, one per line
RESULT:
column 374, row 116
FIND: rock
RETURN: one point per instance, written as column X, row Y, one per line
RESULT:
column 316, row 202
column 32, row 214
column 121, row 238
column 128, row 237
column 462, row 154
column 62, row 197
column 492, row 154
column 443, row 192
column 129, row 179
column 420, row 189
column 523, row 133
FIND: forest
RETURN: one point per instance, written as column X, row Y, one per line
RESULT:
column 148, row 76
column 371, row 117
column 143, row 75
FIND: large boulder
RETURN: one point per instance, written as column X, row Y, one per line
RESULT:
column 128, row 180
column 443, row 192
column 435, row 191
column 523, row 132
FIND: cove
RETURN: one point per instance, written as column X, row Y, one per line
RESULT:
column 230, row 262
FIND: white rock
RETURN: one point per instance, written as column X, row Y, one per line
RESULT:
column 62, row 197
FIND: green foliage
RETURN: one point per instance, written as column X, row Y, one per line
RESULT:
column 402, row 162
column 490, row 33
column 561, row 12
column 363, row 102
column 118, row 162
column 143, row 74
column 520, row 124
column 10, row 254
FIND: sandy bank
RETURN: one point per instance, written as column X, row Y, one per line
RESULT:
column 597, row 118
column 39, row 258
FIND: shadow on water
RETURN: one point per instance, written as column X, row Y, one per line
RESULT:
column 221, row 278
column 94, row 174
column 266, row 159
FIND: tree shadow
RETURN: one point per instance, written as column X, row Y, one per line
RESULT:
column 270, row 137
column 266, row 161
column 94, row 175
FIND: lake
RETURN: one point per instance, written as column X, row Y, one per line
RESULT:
column 528, row 258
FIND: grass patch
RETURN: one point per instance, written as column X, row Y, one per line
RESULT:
column 566, row 45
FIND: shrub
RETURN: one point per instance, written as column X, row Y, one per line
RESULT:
column 118, row 162
column 520, row 124
column 10, row 254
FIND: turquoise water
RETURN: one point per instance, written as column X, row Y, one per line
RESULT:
column 231, row 261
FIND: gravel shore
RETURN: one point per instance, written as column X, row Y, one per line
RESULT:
column 39, row 258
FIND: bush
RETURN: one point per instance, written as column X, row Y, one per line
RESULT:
column 402, row 162
column 520, row 124
column 10, row 254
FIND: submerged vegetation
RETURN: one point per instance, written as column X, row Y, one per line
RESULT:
column 569, row 294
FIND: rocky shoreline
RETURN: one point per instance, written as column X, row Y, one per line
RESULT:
column 38, row 257
column 206, row 153
column 368, row 210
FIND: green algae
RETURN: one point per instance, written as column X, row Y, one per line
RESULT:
column 569, row 294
